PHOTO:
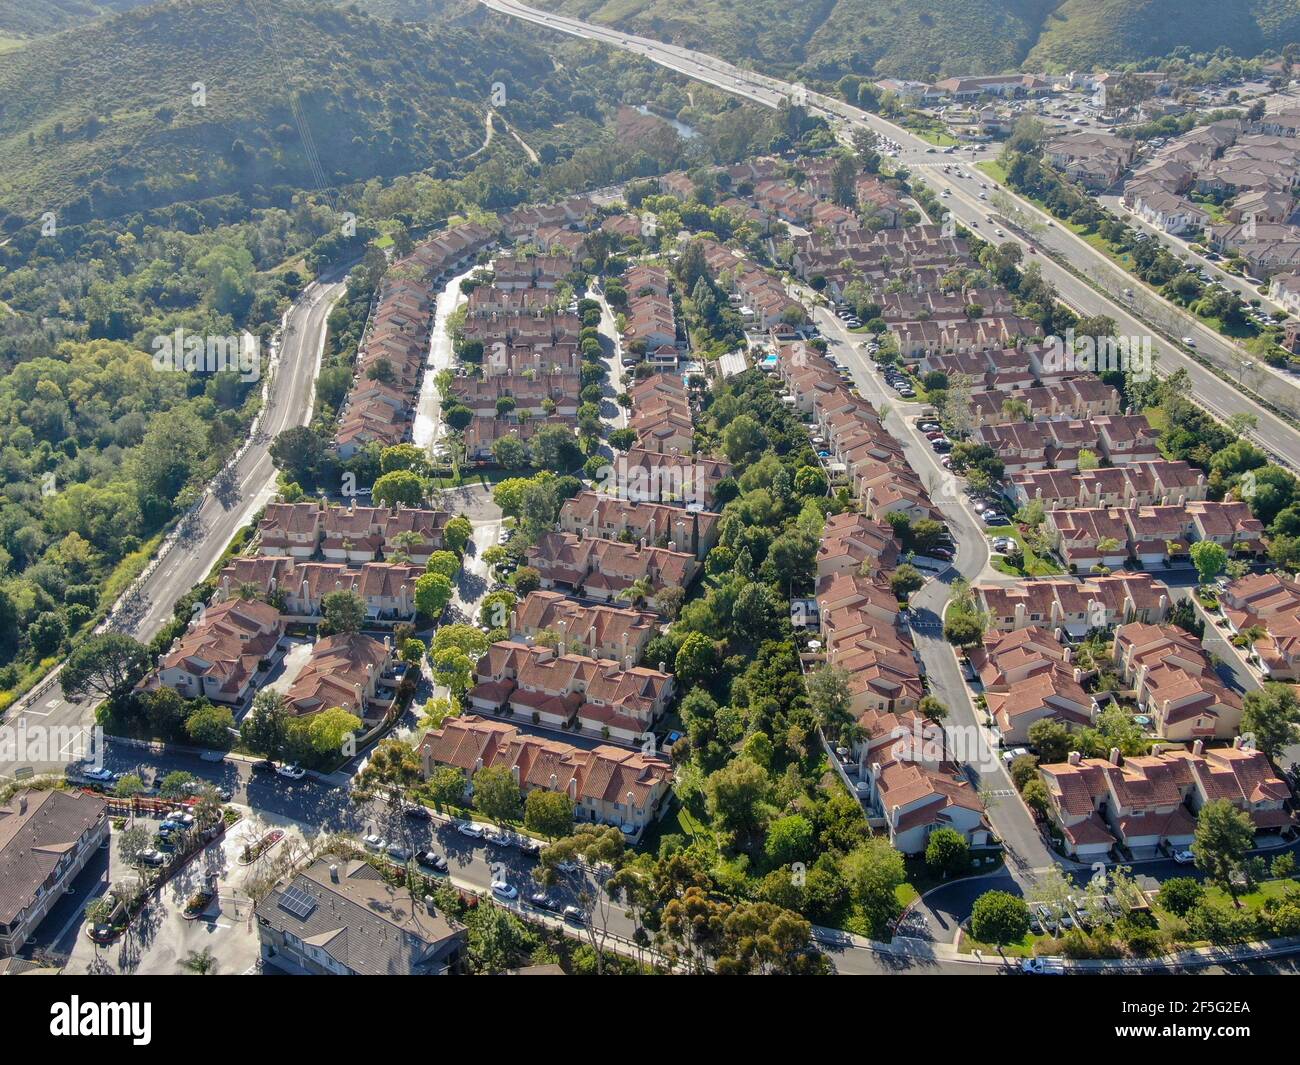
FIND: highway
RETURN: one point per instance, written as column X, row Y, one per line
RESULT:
column 1135, row 318
column 199, row 540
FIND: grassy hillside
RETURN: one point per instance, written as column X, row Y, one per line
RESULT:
column 1081, row 33
column 101, row 120
column 35, row 18
column 924, row 38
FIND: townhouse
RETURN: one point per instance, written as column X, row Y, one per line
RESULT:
column 1139, row 484
column 648, row 476
column 1092, row 537
column 607, row 785
column 1077, row 606
column 852, row 541
column 341, row 917
column 297, row 589
column 1150, row 802
column 46, row 839
column 677, row 529
column 523, row 223
column 348, row 670
column 1027, row 675
column 1174, row 683
column 393, row 349
column 482, row 433
column 609, row 570
column 912, row 786
column 351, row 534
column 222, row 653
column 1269, row 602
column 595, row 631
column 863, row 635
column 534, row 395
column 560, row 689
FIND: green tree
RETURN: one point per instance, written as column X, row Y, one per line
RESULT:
column 456, row 534
column 1271, row 716
column 548, row 812
column 398, row 486
column 696, row 661
column 905, row 580
column 446, row 786
column 106, row 665
column 1051, row 739
column 999, row 918
column 1209, row 559
column 873, row 872
column 265, row 728
column 342, row 612
column 789, row 839
column 1224, row 837
column 433, row 592
column 496, row 795
column 947, row 853
column 211, row 726
column 737, row 799
column 1179, row 895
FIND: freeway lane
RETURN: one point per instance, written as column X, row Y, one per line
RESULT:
column 202, row 538
column 1273, row 433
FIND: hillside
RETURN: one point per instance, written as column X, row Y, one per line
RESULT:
column 35, row 18
column 1087, row 32
column 100, row 120
column 925, row 38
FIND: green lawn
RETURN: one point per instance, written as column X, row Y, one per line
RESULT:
column 1034, row 565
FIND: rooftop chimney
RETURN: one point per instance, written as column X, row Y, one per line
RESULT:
column 1198, row 747
column 1114, row 756
column 1074, row 758
column 334, row 874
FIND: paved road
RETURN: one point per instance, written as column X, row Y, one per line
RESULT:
column 1273, row 433
column 205, row 536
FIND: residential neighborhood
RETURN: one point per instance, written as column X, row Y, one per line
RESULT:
column 688, row 514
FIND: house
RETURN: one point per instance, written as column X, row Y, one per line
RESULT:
column 561, row 689
column 596, row 631
column 1149, row 802
column 608, row 570
column 1175, row 684
column 352, row 533
column 1077, row 606
column 1284, row 289
column 298, row 589
column 1169, row 212
column 850, row 541
column 1028, row 676
column 1267, row 602
column 607, row 785
column 916, row 799
column 653, row 477
column 218, row 658
column 46, row 839
column 677, row 529
column 341, row 917
column 345, row 670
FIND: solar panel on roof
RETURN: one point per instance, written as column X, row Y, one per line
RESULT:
column 297, row 902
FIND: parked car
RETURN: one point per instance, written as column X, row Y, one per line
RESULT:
column 397, row 852
column 431, row 860
column 543, row 901
column 374, row 842
column 574, row 915
column 468, row 828
column 292, row 772
column 417, row 811
column 497, row 838
column 503, row 890
column 153, row 857
column 1042, row 966
column 1184, row 857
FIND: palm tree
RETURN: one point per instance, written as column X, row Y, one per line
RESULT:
column 199, row 962
column 638, row 591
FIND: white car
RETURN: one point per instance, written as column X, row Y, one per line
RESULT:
column 502, row 890
column 291, row 772
column 1043, row 966
column 1184, row 857
column 468, row 828
column 1189, row 341
column 374, row 842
